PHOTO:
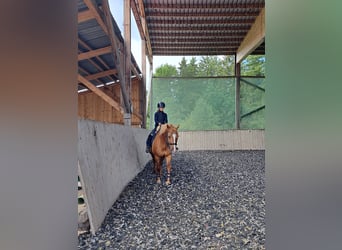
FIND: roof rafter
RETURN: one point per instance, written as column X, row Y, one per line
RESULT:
column 94, row 53
column 83, row 44
column 101, row 74
column 85, row 16
column 100, row 93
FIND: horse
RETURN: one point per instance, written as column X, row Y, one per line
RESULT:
column 164, row 143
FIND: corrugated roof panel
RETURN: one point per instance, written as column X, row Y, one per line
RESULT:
column 192, row 22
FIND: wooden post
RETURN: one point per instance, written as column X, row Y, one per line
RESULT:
column 127, row 56
column 151, row 96
column 117, row 53
column 237, row 94
column 143, row 91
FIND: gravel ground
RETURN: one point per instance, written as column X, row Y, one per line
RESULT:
column 216, row 201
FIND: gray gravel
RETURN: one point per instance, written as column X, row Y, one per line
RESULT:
column 216, row 201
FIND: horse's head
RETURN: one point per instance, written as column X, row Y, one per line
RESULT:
column 172, row 137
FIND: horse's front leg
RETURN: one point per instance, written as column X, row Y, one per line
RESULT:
column 158, row 165
column 168, row 168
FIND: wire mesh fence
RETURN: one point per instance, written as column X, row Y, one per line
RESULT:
column 208, row 103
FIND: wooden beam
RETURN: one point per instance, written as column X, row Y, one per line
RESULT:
column 101, row 74
column 135, row 71
column 137, row 18
column 98, row 58
column 127, row 52
column 143, row 80
column 96, row 65
column 96, row 14
column 85, row 16
column 254, row 37
column 145, row 29
column 94, row 53
column 87, row 73
column 100, row 93
column 116, row 53
column 89, row 48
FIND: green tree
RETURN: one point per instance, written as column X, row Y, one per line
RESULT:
column 166, row 70
column 253, row 65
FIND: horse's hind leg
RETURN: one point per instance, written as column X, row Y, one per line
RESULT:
column 168, row 168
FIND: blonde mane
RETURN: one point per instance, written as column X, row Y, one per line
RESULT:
column 163, row 128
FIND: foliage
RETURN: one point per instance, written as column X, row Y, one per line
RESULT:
column 208, row 103
column 166, row 70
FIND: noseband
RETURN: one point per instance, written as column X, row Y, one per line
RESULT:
column 172, row 143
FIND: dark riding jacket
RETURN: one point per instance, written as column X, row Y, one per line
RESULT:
column 159, row 117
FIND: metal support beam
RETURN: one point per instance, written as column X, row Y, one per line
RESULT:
column 237, row 94
column 253, row 111
column 252, row 84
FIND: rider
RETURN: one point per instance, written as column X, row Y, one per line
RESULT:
column 159, row 118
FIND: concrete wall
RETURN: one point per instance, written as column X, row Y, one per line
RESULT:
column 109, row 156
column 222, row 140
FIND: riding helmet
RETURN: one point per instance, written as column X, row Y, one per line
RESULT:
column 161, row 105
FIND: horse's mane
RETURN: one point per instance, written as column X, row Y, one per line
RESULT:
column 163, row 128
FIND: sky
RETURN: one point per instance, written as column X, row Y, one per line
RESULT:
column 116, row 7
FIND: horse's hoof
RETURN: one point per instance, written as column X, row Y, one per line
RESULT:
column 158, row 181
column 168, row 182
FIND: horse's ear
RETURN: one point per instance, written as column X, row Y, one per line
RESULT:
column 177, row 126
column 167, row 125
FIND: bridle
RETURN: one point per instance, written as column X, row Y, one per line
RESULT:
column 174, row 143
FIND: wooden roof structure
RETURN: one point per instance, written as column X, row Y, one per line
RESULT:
column 200, row 27
column 101, row 54
column 166, row 27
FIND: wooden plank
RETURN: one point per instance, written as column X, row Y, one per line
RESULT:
column 94, row 53
column 85, row 16
column 100, row 93
column 254, row 37
column 101, row 74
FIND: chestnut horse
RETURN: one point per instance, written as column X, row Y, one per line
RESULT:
column 163, row 145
